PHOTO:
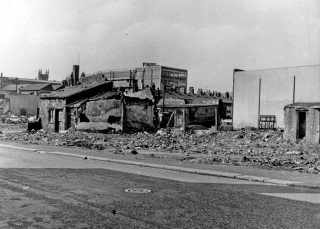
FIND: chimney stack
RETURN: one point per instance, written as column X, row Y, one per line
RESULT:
column 208, row 93
column 75, row 74
column 200, row 92
column 191, row 90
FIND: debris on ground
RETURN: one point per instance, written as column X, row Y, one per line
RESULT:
column 246, row 147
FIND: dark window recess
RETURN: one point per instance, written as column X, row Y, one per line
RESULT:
column 302, row 120
column 50, row 116
column 83, row 118
column 267, row 122
column 23, row 111
column 113, row 119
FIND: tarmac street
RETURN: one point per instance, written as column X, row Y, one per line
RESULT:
column 41, row 190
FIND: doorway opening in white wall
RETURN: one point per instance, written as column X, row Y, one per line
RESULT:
column 301, row 125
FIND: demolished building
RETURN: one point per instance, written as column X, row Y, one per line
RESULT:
column 96, row 107
column 57, row 109
column 118, row 111
column 194, row 109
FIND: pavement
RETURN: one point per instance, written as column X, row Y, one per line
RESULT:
column 143, row 158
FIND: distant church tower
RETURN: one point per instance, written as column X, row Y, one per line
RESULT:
column 43, row 76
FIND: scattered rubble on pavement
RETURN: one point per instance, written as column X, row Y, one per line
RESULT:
column 249, row 147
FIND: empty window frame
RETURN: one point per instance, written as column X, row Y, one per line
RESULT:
column 50, row 115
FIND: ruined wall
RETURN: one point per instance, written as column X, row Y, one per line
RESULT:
column 290, row 123
column 93, row 78
column 171, row 101
column 213, row 101
column 28, row 102
column 45, row 106
column 138, row 115
column 276, row 92
column 102, row 114
column 312, row 133
column 4, row 106
column 148, row 76
column 203, row 114
column 196, row 115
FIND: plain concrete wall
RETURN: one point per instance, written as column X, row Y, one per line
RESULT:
column 28, row 102
column 276, row 92
column 290, row 122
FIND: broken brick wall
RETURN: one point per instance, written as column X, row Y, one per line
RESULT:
column 100, row 78
column 28, row 103
column 138, row 115
column 102, row 115
column 203, row 115
column 212, row 101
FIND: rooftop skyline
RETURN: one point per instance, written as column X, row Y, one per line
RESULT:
column 209, row 38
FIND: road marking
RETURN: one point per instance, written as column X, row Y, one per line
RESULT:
column 306, row 197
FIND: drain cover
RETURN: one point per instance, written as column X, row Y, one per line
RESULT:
column 137, row 190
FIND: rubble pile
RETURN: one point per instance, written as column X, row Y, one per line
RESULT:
column 250, row 147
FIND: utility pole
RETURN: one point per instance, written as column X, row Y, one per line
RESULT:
column 16, row 84
column 294, row 89
column 259, row 103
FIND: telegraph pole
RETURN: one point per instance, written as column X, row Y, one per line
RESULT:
column 294, row 89
column 1, row 83
column 259, row 103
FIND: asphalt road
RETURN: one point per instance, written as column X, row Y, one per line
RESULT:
column 47, row 191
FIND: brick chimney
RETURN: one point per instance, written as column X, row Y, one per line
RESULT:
column 191, row 90
column 208, row 93
column 75, row 74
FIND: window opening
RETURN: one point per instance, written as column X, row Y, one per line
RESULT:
column 50, row 115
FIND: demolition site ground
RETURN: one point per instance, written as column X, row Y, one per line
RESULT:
column 247, row 147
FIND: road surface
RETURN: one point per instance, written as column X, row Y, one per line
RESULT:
column 38, row 190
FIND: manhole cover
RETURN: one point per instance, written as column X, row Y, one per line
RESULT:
column 137, row 190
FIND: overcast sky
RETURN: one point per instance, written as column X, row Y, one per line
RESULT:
column 208, row 37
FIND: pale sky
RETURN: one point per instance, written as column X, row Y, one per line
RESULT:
column 208, row 37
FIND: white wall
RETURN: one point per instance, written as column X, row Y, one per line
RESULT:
column 276, row 92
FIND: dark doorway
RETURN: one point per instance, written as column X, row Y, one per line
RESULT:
column 58, row 120
column 23, row 111
column 302, row 117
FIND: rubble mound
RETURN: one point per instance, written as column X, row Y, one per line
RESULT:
column 246, row 147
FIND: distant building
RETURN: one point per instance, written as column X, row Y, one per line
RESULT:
column 149, row 75
column 14, row 88
column 43, row 76
column 37, row 89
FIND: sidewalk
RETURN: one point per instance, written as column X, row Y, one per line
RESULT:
column 150, row 159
